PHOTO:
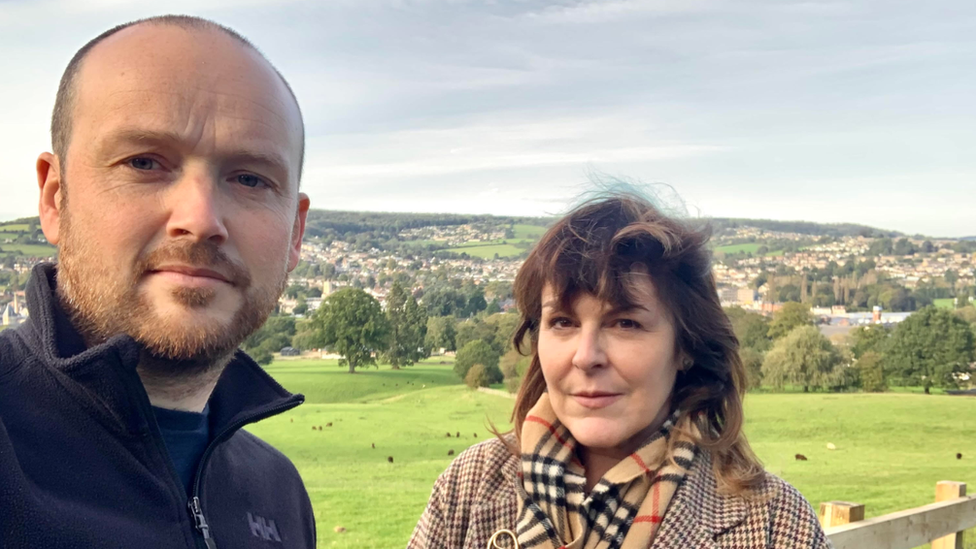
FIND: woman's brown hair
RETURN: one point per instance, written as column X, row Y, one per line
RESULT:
column 591, row 251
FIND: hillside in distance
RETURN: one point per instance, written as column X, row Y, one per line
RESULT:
column 321, row 222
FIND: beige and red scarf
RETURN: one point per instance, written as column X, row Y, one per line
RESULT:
column 625, row 508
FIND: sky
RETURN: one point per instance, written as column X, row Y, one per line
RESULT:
column 827, row 111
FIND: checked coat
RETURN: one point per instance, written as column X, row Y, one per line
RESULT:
column 476, row 496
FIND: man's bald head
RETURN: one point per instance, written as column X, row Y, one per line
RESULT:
column 61, row 119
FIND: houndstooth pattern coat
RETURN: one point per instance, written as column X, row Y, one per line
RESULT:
column 475, row 497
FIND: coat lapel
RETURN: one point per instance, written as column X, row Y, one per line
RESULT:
column 698, row 513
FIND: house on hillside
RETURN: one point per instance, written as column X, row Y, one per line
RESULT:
column 11, row 318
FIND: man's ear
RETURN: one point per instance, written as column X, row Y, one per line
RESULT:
column 298, row 231
column 49, row 181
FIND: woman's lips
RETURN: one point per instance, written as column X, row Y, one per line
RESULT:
column 595, row 401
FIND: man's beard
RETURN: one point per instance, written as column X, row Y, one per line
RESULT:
column 103, row 302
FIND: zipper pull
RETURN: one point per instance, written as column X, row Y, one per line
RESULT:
column 201, row 521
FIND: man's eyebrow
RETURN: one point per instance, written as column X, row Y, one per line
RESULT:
column 136, row 135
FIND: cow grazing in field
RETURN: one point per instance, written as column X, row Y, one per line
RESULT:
column 339, row 529
column 389, row 458
column 329, row 424
column 801, row 457
column 448, row 435
column 958, row 456
column 450, row 452
column 313, row 427
column 373, row 445
column 458, row 435
column 476, row 435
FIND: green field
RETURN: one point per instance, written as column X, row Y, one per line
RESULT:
column 14, row 227
column 738, row 248
column 28, row 250
column 488, row 251
column 891, row 448
column 945, row 303
column 528, row 232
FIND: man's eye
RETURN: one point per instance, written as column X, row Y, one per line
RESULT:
column 249, row 180
column 142, row 163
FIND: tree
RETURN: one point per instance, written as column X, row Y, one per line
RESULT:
column 791, row 316
column 867, row 339
column 443, row 301
column 477, row 377
column 475, row 352
column 351, row 322
column 929, row 347
column 752, row 329
column 805, row 358
column 493, row 307
column 752, row 362
column 870, row 369
column 476, row 329
column 441, row 333
column 408, row 328
column 476, row 303
column 275, row 334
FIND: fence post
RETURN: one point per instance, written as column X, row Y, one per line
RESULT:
column 946, row 490
column 837, row 513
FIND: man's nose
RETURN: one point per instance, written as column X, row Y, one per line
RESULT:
column 196, row 208
column 590, row 351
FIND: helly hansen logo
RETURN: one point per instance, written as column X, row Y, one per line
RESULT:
column 263, row 528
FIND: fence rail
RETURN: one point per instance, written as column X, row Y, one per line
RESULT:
column 941, row 523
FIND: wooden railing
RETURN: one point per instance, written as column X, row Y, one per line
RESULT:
column 941, row 523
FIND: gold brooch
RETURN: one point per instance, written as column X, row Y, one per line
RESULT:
column 493, row 543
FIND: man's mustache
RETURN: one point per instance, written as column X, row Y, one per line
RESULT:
column 200, row 255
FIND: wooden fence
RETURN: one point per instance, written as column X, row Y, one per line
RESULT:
column 941, row 523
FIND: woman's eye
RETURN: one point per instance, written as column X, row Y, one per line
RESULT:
column 142, row 163
column 627, row 323
column 560, row 322
column 250, row 180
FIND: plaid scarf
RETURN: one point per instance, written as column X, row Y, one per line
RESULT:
column 624, row 509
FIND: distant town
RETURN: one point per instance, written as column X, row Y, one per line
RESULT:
column 848, row 274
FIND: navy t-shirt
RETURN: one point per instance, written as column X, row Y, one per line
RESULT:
column 186, row 435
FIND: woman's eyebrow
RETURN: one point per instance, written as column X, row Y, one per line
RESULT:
column 620, row 309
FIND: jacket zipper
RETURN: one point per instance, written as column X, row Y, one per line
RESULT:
column 201, row 522
column 196, row 511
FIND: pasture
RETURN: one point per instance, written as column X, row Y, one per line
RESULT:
column 487, row 250
column 891, row 448
column 28, row 250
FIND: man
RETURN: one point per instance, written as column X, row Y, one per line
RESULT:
column 172, row 195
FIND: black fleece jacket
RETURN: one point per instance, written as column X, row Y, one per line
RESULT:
column 83, row 465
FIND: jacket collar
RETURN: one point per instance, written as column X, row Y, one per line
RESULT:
column 698, row 513
column 104, row 376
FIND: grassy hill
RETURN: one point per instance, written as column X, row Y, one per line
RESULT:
column 17, row 239
column 891, row 448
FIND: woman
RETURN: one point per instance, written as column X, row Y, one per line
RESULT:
column 628, row 423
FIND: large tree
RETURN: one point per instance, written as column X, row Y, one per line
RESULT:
column 751, row 328
column 351, row 323
column 441, row 333
column 805, row 358
column 870, row 338
column 929, row 347
column 408, row 328
column 477, row 352
column 791, row 316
